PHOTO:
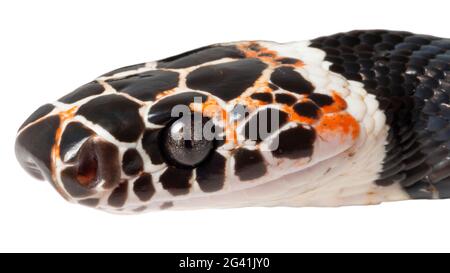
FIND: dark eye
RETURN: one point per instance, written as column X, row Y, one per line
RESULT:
column 188, row 141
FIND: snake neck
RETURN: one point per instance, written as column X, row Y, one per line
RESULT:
column 409, row 75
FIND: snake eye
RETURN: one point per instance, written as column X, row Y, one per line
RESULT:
column 188, row 141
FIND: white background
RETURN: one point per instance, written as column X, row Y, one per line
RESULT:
column 48, row 48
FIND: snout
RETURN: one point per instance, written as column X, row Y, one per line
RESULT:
column 71, row 156
column 34, row 144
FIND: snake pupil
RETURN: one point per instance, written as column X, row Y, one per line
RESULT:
column 183, row 143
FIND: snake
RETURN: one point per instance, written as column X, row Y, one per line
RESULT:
column 353, row 118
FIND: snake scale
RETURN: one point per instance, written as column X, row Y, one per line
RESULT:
column 354, row 118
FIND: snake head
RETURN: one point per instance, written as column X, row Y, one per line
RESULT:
column 215, row 123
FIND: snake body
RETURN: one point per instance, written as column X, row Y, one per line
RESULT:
column 353, row 118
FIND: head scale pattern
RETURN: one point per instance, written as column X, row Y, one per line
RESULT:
column 273, row 110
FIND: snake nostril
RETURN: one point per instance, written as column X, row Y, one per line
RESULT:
column 87, row 169
column 96, row 168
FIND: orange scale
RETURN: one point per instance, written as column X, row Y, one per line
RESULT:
column 209, row 108
column 262, row 85
column 55, row 152
column 230, row 133
column 63, row 116
column 268, row 54
column 262, row 53
column 338, row 105
column 268, row 60
column 165, row 93
column 298, row 64
column 342, row 124
column 294, row 117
